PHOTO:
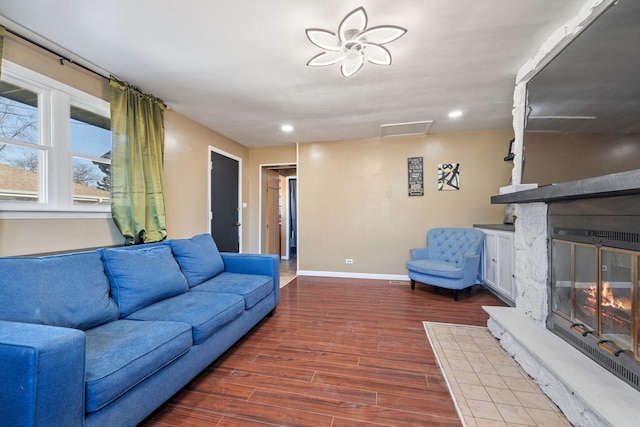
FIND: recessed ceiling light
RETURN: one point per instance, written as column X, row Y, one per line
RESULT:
column 455, row 113
column 286, row 128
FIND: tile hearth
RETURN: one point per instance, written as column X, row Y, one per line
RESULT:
column 488, row 386
column 587, row 393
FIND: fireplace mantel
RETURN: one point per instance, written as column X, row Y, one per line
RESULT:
column 618, row 184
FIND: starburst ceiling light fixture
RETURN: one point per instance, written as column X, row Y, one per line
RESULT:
column 354, row 44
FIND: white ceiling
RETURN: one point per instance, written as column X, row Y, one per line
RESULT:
column 239, row 66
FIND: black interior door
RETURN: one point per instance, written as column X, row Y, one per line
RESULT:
column 225, row 222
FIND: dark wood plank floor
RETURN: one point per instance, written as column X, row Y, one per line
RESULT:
column 338, row 352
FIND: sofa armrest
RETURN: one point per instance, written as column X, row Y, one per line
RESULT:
column 264, row 264
column 42, row 371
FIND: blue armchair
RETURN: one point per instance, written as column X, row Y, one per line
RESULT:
column 451, row 260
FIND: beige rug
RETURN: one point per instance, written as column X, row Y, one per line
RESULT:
column 487, row 386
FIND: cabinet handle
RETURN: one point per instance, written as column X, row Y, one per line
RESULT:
column 493, row 260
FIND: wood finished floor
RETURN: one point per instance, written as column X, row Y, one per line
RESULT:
column 338, row 352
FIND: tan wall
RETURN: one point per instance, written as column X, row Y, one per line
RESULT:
column 353, row 200
column 554, row 158
column 24, row 53
column 186, row 174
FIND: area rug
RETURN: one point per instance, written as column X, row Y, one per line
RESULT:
column 487, row 386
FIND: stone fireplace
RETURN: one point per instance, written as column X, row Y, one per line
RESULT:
column 594, row 223
column 575, row 324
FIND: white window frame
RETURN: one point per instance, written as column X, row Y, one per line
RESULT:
column 56, row 166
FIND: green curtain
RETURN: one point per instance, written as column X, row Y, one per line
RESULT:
column 137, row 196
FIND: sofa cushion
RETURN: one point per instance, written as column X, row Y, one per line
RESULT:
column 123, row 353
column 68, row 290
column 252, row 287
column 198, row 257
column 205, row 313
column 140, row 276
column 437, row 268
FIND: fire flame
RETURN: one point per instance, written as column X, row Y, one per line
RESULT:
column 608, row 300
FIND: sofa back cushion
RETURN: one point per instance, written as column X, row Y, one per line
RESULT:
column 141, row 275
column 198, row 257
column 68, row 290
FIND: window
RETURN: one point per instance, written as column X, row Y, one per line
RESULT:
column 91, row 149
column 55, row 145
column 20, row 151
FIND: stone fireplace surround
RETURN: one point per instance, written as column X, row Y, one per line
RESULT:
column 587, row 393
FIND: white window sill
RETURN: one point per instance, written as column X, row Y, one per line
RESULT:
column 53, row 214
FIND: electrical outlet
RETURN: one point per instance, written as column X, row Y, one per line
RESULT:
column 348, row 261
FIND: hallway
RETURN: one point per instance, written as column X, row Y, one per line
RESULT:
column 288, row 270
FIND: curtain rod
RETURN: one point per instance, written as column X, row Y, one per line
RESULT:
column 60, row 56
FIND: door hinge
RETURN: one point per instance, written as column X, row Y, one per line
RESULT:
column 210, row 216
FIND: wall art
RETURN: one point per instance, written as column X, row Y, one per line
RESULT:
column 416, row 176
column 448, row 176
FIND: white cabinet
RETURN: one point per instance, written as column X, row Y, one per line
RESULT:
column 498, row 263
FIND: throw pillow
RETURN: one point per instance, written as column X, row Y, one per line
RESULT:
column 198, row 257
column 140, row 276
column 68, row 290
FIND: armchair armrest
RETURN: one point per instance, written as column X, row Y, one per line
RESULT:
column 264, row 264
column 419, row 253
column 42, row 371
column 471, row 267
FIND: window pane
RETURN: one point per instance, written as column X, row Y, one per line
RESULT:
column 18, row 114
column 91, row 182
column 90, row 133
column 19, row 174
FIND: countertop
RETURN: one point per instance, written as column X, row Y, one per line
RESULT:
column 499, row 227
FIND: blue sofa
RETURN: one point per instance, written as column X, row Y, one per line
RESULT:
column 103, row 338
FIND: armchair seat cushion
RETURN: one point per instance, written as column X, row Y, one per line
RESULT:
column 436, row 268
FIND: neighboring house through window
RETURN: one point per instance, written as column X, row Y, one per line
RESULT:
column 55, row 145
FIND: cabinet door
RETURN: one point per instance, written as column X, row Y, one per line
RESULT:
column 505, row 269
column 490, row 259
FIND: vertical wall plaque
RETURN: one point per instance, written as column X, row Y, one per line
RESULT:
column 416, row 176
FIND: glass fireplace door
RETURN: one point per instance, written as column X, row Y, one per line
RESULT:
column 596, row 289
column 616, row 297
column 586, row 285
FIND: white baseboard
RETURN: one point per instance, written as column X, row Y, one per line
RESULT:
column 345, row 275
